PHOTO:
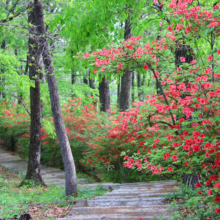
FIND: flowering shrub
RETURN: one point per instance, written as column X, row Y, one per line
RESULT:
column 176, row 131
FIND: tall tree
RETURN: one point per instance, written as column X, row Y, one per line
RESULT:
column 33, row 169
column 126, row 78
column 69, row 166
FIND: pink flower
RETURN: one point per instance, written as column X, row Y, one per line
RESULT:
column 95, row 70
column 193, row 62
column 217, row 199
column 182, row 59
column 102, row 69
column 218, row 51
column 210, row 192
column 198, row 185
column 209, row 58
column 199, row 192
column 156, row 141
column 217, row 185
column 175, row 158
column 146, row 67
column 170, row 169
column 166, row 155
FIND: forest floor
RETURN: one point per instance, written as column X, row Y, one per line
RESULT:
column 127, row 201
column 40, row 202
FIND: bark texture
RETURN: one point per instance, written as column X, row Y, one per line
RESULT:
column 132, row 84
column 33, row 169
column 140, row 93
column 126, row 78
column 104, row 95
column 69, row 166
column 2, row 94
column 119, row 90
column 91, row 82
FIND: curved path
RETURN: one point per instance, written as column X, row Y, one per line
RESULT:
column 128, row 201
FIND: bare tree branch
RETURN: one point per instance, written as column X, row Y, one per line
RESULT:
column 13, row 8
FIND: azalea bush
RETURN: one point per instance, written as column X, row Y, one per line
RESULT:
column 175, row 132
column 82, row 124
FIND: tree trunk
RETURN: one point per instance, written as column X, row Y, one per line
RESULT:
column 139, row 86
column 85, row 80
column 69, row 166
column 119, row 90
column 126, row 78
column 73, row 77
column 73, row 81
column 125, row 91
column 33, row 169
column 91, row 82
column 132, row 84
column 2, row 94
column 104, row 95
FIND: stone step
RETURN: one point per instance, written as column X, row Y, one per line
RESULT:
column 125, row 202
column 113, row 216
column 136, row 195
column 131, row 211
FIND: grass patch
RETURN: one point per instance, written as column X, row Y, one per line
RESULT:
column 40, row 202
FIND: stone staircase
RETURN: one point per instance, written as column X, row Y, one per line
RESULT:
column 49, row 174
column 128, row 201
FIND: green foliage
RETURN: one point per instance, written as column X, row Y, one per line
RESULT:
column 187, row 204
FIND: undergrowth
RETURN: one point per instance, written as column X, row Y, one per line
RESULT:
column 40, row 202
column 187, row 204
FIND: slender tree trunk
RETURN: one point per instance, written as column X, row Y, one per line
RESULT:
column 69, row 166
column 119, row 90
column 104, row 95
column 139, row 86
column 85, row 80
column 73, row 81
column 2, row 94
column 33, row 169
column 126, row 78
column 91, row 82
column 132, row 84
column 73, row 77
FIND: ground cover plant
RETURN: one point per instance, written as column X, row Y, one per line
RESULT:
column 40, row 202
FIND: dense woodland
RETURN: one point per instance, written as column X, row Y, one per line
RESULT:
column 123, row 91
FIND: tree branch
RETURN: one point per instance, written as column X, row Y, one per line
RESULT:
column 165, row 98
column 162, row 122
column 12, row 8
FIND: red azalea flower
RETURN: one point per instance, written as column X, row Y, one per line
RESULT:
column 217, row 185
column 217, row 199
column 210, row 192
column 198, row 185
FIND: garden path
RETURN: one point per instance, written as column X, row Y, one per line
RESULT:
column 128, row 201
